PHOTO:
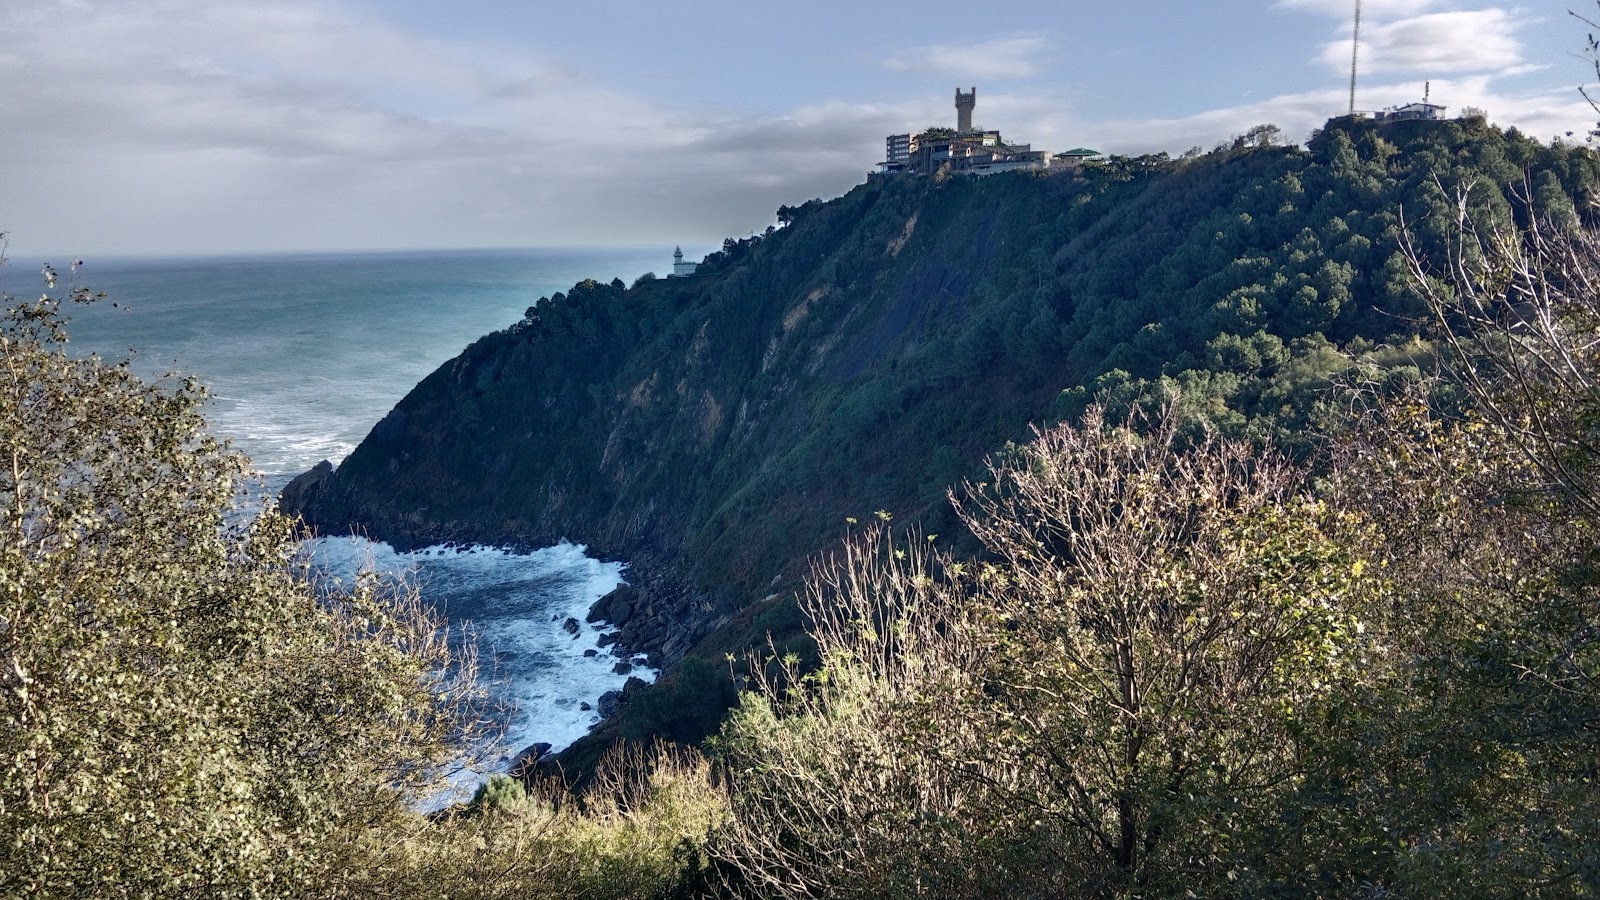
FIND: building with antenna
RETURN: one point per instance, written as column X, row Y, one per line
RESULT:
column 1411, row 111
column 1423, row 110
column 967, row 149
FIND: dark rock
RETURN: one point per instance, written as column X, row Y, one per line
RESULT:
column 590, row 653
column 644, row 633
column 634, row 685
column 608, row 639
column 585, row 706
column 610, row 702
column 616, row 607
column 528, row 759
column 571, row 625
column 621, row 610
column 622, row 668
column 300, row 491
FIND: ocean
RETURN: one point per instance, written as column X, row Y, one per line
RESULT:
column 303, row 354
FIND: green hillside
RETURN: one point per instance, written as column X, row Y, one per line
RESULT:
column 716, row 431
column 1269, row 570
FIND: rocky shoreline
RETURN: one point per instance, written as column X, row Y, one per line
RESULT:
column 655, row 615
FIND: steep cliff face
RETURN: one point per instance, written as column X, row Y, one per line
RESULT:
column 716, row 430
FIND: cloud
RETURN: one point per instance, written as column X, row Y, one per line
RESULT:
column 190, row 126
column 1014, row 56
column 1441, row 43
column 176, row 126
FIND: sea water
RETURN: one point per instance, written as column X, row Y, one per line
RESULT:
column 303, row 354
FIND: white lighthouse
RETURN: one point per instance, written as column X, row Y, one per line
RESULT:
column 679, row 267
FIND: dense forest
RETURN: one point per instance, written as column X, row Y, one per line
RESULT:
column 1216, row 526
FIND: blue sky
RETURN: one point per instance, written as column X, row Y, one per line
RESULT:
column 187, row 126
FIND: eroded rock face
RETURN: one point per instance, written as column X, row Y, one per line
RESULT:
column 298, row 492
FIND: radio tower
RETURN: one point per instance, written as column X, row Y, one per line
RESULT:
column 1355, row 48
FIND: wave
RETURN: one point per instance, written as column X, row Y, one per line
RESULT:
column 518, row 605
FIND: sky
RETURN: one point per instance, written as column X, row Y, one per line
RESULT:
column 178, row 127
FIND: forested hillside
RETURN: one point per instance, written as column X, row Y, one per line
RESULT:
column 1222, row 527
column 718, row 430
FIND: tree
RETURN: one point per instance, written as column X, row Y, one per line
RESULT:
column 1515, row 309
column 180, row 709
column 835, row 790
column 1490, row 492
column 1463, row 763
column 1109, row 703
column 1259, row 136
column 1163, row 616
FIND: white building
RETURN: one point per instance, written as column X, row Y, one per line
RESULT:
column 1423, row 110
column 679, row 267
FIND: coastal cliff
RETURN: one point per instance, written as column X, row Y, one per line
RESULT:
column 717, row 430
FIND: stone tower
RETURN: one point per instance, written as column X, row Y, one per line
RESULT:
column 964, row 105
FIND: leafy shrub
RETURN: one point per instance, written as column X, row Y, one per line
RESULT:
column 180, row 710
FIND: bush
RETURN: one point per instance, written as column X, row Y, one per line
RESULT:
column 1080, row 712
column 181, row 710
column 499, row 793
column 637, row 832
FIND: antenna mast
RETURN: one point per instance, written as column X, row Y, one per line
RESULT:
column 1355, row 48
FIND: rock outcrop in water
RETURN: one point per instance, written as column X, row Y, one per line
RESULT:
column 300, row 489
column 718, row 430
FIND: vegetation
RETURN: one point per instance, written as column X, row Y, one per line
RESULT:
column 638, row 832
column 1189, row 669
column 182, row 711
column 716, row 431
column 1291, row 591
column 1110, row 701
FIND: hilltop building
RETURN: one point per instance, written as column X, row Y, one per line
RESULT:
column 1430, row 111
column 1426, row 111
column 681, row 269
column 967, row 149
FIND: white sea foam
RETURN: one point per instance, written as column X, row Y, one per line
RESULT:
column 517, row 604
